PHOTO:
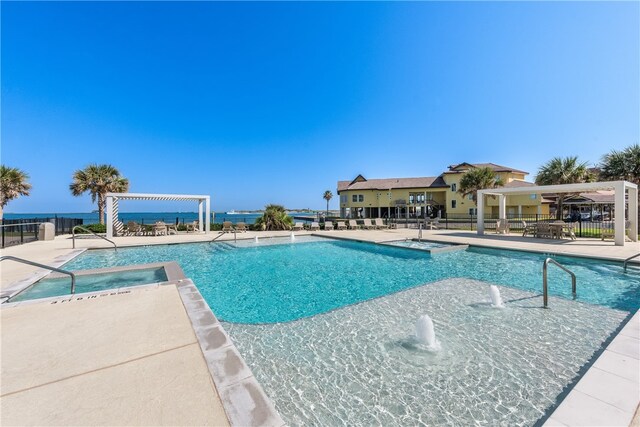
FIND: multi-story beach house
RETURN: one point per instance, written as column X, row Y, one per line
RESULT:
column 431, row 196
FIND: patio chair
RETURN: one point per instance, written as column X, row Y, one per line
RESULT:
column 529, row 229
column 567, row 231
column 353, row 224
column 610, row 233
column 379, row 224
column 298, row 226
column 172, row 228
column 134, row 229
column 543, row 231
column 314, row 226
column 159, row 229
column 367, row 225
column 328, row 225
column 341, row 225
column 502, row 226
column 227, row 227
column 432, row 224
column 194, row 226
column 241, row 227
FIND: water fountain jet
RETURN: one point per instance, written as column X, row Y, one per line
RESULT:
column 293, row 237
column 255, row 239
column 425, row 332
column 496, row 299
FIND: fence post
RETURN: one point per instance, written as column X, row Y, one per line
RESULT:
column 580, row 227
column 446, row 221
column 3, row 235
column 21, row 234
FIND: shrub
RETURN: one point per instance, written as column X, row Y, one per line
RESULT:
column 96, row 228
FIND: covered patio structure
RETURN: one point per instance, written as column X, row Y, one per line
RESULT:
column 113, row 199
column 621, row 190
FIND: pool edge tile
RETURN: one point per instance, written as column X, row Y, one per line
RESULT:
column 243, row 398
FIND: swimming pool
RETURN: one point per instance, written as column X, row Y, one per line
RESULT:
column 49, row 287
column 276, row 280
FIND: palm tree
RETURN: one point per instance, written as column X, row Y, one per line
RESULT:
column 566, row 170
column 13, row 184
column 478, row 179
column 327, row 196
column 275, row 218
column 622, row 165
column 98, row 180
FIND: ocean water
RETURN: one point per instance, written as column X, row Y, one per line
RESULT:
column 277, row 280
column 152, row 217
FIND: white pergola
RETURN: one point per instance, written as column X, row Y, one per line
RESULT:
column 204, row 206
column 620, row 189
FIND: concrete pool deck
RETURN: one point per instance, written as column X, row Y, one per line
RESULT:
column 23, row 340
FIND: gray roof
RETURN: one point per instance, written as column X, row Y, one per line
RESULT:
column 496, row 168
column 388, row 183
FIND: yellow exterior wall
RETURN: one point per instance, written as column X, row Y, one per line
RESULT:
column 444, row 196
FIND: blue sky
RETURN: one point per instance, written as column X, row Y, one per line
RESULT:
column 255, row 103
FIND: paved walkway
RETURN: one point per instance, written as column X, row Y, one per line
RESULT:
column 124, row 359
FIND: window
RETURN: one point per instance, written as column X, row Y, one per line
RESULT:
column 354, row 198
column 473, row 211
column 421, row 198
column 453, row 204
column 360, row 198
column 343, row 198
column 533, row 196
column 454, row 188
column 429, row 196
column 412, row 198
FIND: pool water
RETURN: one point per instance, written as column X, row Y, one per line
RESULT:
column 92, row 282
column 360, row 366
column 276, row 280
column 416, row 245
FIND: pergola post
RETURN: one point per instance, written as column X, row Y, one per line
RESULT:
column 618, row 223
column 207, row 221
column 502, row 206
column 633, row 212
column 200, row 219
column 480, row 220
column 109, row 217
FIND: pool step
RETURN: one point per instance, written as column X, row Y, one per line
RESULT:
column 222, row 247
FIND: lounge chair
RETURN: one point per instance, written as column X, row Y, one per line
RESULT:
column 610, row 233
column 353, row 224
column 568, row 231
column 134, row 229
column 194, row 226
column 328, row 225
column 340, row 225
column 314, row 226
column 502, row 226
column 159, row 229
column 367, row 225
column 241, row 227
column 227, row 227
column 432, row 224
column 298, row 226
column 172, row 228
column 379, row 223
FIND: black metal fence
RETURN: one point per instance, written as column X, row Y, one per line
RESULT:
column 19, row 231
column 517, row 223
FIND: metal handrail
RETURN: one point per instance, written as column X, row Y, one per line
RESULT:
column 545, row 266
column 626, row 261
column 419, row 231
column 21, row 223
column 235, row 237
column 73, row 236
column 48, row 267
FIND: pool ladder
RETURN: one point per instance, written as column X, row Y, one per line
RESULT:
column 545, row 266
column 47, row 267
column 73, row 236
column 626, row 261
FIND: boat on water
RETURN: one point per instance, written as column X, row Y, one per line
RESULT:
column 232, row 212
